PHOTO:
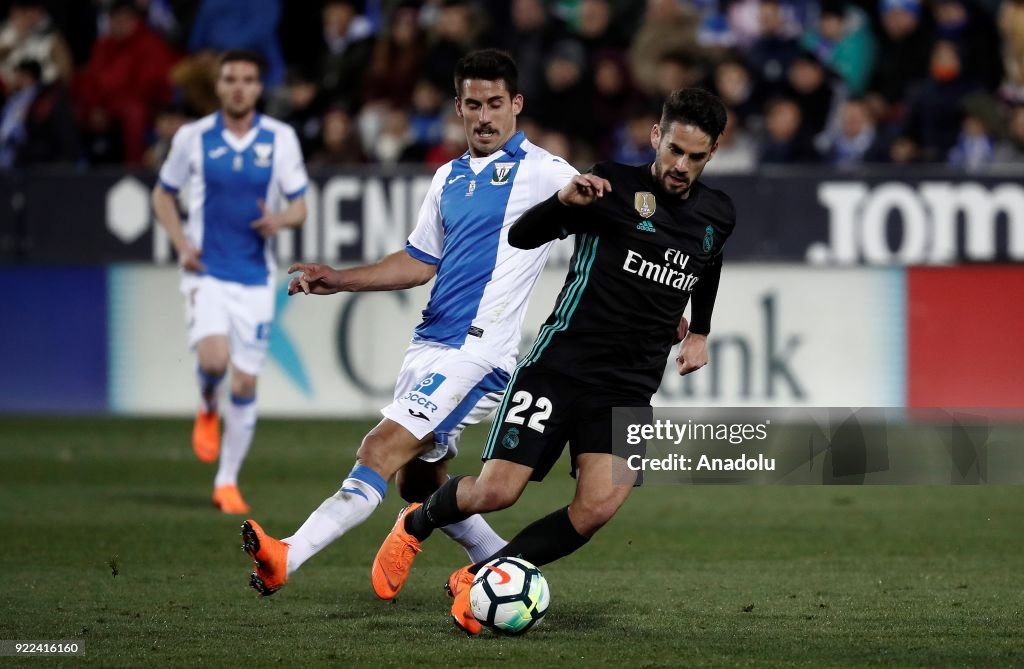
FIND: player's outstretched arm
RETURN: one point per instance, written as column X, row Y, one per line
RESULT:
column 393, row 272
column 550, row 219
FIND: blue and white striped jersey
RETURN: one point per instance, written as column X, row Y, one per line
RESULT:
column 226, row 177
column 482, row 287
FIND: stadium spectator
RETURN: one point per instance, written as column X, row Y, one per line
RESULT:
column 613, row 93
column 816, row 90
column 126, row 81
column 903, row 55
column 973, row 31
column 453, row 33
column 1011, row 29
column 844, row 42
column 597, row 28
column 346, row 46
column 737, row 150
column 776, row 47
column 396, row 60
column 668, row 27
column 732, row 82
column 222, row 25
column 631, row 143
column 936, row 104
column 566, row 91
column 783, row 140
column 29, row 34
column 855, row 140
column 340, row 142
column 302, row 109
column 168, row 120
column 1010, row 150
column 531, row 34
column 452, row 144
column 36, row 123
column 676, row 70
column 974, row 149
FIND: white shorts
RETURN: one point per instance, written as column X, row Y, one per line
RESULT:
column 442, row 390
column 244, row 314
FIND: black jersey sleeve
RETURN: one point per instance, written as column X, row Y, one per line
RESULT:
column 542, row 223
column 702, row 301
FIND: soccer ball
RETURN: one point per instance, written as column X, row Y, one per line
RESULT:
column 509, row 595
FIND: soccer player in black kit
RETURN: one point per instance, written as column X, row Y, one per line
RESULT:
column 648, row 240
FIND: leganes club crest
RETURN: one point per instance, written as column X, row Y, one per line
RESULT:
column 502, row 171
column 643, row 202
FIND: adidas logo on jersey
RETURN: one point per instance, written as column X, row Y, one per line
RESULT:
column 645, row 226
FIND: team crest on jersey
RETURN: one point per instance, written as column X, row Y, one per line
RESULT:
column 502, row 171
column 643, row 202
column 511, row 439
column 471, row 189
column 709, row 238
column 263, row 152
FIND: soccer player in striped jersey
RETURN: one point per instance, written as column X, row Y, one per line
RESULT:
column 463, row 352
column 245, row 181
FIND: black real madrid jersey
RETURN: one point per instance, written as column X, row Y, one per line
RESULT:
column 639, row 256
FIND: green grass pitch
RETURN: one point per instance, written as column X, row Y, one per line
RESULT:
column 109, row 537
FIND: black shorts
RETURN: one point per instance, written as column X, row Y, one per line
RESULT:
column 543, row 409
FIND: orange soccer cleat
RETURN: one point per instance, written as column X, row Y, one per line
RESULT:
column 228, row 498
column 394, row 559
column 458, row 587
column 270, row 556
column 206, row 436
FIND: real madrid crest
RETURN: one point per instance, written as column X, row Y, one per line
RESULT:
column 643, row 202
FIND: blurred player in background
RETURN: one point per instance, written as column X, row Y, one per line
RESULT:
column 647, row 238
column 238, row 166
column 458, row 364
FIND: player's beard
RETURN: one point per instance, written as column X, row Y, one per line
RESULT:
column 661, row 177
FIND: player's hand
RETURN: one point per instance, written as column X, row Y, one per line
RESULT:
column 693, row 354
column 313, row 279
column 188, row 259
column 583, row 189
column 269, row 223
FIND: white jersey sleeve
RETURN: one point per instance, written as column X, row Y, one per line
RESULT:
column 290, row 168
column 426, row 241
column 176, row 168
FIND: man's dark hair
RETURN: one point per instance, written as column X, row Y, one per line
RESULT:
column 694, row 106
column 244, row 56
column 489, row 65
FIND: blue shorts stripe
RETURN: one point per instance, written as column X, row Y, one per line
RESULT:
column 495, row 381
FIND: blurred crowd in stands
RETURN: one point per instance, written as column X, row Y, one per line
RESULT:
column 838, row 83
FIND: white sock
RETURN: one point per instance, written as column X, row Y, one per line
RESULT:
column 359, row 495
column 209, row 389
column 239, row 425
column 476, row 536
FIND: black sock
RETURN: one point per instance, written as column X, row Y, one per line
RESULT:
column 440, row 509
column 546, row 540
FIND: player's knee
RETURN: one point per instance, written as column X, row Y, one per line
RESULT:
column 371, row 450
column 243, row 385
